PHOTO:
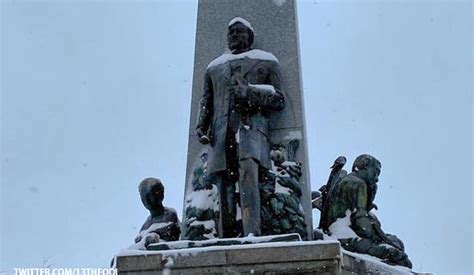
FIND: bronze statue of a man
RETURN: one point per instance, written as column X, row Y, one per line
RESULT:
column 241, row 89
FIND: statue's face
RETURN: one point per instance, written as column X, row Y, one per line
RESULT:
column 238, row 37
column 373, row 173
column 153, row 198
column 277, row 156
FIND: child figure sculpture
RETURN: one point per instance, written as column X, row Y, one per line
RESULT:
column 163, row 223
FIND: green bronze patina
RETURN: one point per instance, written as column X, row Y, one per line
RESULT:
column 354, row 195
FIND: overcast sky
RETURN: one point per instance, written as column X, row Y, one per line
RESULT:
column 95, row 96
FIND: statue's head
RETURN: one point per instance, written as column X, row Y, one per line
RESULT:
column 239, row 35
column 367, row 168
column 152, row 193
column 277, row 154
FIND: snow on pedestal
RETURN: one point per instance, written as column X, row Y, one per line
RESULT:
column 202, row 212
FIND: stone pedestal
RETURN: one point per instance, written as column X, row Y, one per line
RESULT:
column 301, row 257
column 313, row 257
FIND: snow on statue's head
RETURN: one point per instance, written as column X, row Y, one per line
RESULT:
column 240, row 35
column 152, row 193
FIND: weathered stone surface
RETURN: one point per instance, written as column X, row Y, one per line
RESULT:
column 310, row 267
column 283, row 254
column 139, row 263
column 276, row 31
column 353, row 263
column 208, row 259
column 278, row 258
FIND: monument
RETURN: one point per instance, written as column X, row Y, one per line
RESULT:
column 248, row 201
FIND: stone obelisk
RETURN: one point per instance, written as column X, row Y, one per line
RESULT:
column 276, row 31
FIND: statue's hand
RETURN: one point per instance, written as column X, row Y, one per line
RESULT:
column 203, row 138
column 151, row 239
column 240, row 92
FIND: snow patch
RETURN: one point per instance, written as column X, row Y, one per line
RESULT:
column 252, row 54
column 387, row 269
column 264, row 87
column 281, row 171
column 148, row 232
column 281, row 189
column 240, row 20
column 204, row 199
column 152, row 228
column 340, row 229
column 209, row 224
column 169, row 262
column 288, row 164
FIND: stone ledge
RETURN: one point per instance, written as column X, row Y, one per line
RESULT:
column 184, row 244
column 279, row 258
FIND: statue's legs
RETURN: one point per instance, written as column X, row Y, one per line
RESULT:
column 249, row 196
column 385, row 252
column 226, row 182
column 227, row 214
column 246, row 173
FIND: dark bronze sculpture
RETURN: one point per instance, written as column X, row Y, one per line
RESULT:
column 201, row 206
column 336, row 173
column 163, row 223
column 352, row 197
column 241, row 89
column 281, row 194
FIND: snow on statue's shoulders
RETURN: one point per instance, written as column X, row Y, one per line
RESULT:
column 252, row 54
